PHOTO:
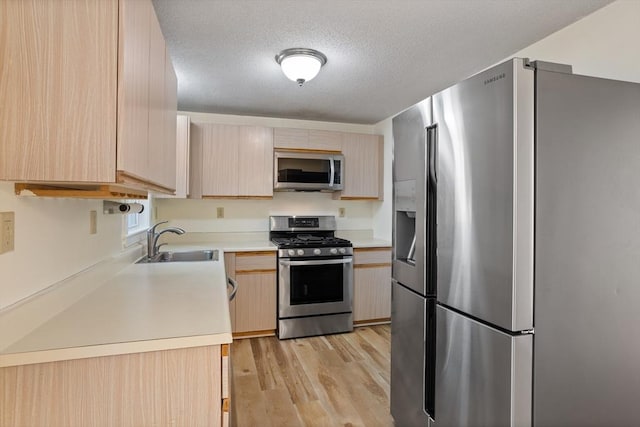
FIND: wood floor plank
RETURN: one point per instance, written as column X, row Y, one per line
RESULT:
column 250, row 402
column 295, row 378
column 327, row 386
column 369, row 351
column 344, row 348
column 242, row 357
column 371, row 412
column 334, row 380
column 313, row 414
column 266, row 367
column 280, row 409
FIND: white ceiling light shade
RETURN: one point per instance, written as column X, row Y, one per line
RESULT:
column 299, row 64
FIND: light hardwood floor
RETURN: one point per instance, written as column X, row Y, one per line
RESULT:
column 333, row 380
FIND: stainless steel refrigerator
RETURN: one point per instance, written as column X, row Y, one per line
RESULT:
column 533, row 176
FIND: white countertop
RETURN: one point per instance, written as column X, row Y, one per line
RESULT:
column 146, row 307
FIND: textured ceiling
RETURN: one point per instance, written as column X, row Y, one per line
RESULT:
column 383, row 55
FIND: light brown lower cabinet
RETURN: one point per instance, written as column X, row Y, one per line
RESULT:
column 253, row 311
column 372, row 285
column 187, row 386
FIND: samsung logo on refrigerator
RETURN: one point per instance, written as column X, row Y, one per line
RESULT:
column 495, row 78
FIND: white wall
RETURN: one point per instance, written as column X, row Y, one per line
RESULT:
column 252, row 215
column 52, row 242
column 604, row 44
column 382, row 213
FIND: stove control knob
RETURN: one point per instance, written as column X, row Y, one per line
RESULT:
column 291, row 252
column 342, row 250
column 317, row 251
column 300, row 252
column 333, row 251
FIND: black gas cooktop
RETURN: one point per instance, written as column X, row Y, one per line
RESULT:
column 309, row 241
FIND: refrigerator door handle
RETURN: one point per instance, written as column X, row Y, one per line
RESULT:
column 431, row 276
column 432, row 147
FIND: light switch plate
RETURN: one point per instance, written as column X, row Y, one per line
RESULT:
column 341, row 212
column 220, row 212
column 7, row 231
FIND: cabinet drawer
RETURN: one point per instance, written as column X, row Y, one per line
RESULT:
column 255, row 261
column 379, row 256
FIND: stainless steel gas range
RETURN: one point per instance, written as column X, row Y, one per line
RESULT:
column 315, row 276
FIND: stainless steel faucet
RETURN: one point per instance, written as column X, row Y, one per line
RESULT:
column 152, row 237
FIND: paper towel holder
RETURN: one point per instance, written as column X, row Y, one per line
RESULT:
column 109, row 207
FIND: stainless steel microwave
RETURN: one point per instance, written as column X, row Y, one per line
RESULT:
column 300, row 171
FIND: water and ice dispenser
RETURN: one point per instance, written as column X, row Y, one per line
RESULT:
column 405, row 222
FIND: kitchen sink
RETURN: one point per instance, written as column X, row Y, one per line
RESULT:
column 187, row 256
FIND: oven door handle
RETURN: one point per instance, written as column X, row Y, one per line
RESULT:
column 316, row 262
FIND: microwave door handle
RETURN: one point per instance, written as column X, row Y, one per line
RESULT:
column 316, row 262
column 332, row 171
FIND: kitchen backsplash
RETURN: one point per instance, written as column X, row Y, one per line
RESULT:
column 52, row 242
column 244, row 216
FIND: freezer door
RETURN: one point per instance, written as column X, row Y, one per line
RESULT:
column 587, row 354
column 484, row 173
column 408, row 345
column 483, row 375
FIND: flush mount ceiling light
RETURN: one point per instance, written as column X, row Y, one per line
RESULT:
column 299, row 64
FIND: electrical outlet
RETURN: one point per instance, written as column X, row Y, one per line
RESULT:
column 341, row 212
column 220, row 212
column 93, row 222
column 7, row 231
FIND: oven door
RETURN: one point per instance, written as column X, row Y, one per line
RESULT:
column 315, row 286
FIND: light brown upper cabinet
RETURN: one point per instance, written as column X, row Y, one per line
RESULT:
column 182, row 130
column 231, row 161
column 88, row 94
column 307, row 139
column 363, row 166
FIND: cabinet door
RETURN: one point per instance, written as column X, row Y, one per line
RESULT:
column 371, row 293
column 156, row 154
column 305, row 139
column 219, row 159
column 363, row 171
column 290, row 138
column 170, row 106
column 183, row 125
column 58, row 115
column 255, row 302
column 168, row 387
column 372, row 285
column 133, row 87
column 255, row 161
column 324, row 140
column 197, row 132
